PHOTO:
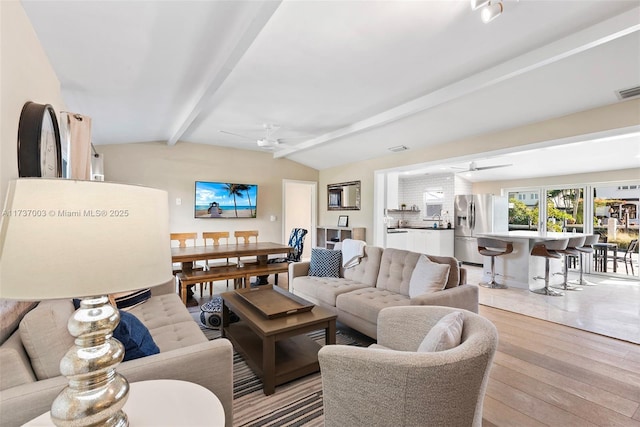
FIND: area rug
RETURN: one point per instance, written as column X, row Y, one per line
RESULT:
column 297, row 403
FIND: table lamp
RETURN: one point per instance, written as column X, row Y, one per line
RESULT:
column 85, row 239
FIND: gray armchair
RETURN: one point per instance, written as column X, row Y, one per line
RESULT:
column 390, row 384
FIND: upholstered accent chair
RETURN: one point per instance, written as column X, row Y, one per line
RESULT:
column 391, row 383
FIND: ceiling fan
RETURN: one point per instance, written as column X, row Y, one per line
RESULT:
column 473, row 167
column 267, row 142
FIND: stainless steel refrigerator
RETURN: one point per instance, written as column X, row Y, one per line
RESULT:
column 477, row 214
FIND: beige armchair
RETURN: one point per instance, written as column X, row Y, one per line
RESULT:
column 390, row 384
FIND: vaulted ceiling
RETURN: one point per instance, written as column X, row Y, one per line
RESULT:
column 343, row 80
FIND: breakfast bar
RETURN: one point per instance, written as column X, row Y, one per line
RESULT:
column 518, row 268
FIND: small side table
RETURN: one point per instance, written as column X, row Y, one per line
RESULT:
column 164, row 403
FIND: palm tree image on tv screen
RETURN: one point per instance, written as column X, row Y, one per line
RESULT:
column 225, row 200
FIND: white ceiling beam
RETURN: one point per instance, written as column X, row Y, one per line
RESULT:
column 589, row 38
column 206, row 97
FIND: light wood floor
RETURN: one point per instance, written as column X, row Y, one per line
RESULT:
column 548, row 374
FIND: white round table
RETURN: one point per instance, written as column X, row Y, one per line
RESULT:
column 159, row 403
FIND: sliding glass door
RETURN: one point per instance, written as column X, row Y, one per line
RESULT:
column 610, row 210
column 615, row 214
column 565, row 209
column 524, row 212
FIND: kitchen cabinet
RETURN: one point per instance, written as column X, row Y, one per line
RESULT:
column 393, row 181
column 432, row 242
column 397, row 240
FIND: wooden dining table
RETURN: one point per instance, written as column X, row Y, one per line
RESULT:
column 261, row 250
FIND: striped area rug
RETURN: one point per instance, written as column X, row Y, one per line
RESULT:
column 297, row 403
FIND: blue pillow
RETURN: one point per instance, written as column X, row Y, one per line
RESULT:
column 133, row 335
column 325, row 263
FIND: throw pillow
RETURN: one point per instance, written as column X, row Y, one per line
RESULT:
column 428, row 276
column 134, row 336
column 128, row 300
column 445, row 335
column 325, row 263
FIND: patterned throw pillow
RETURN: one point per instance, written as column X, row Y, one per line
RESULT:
column 128, row 300
column 325, row 263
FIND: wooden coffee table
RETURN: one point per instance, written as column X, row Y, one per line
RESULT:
column 276, row 348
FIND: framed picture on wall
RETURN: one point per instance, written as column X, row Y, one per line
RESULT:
column 343, row 220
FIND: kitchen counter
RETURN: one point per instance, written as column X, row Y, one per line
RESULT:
column 519, row 267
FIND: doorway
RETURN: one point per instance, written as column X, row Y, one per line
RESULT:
column 299, row 210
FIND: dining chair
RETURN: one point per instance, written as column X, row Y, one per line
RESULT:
column 215, row 237
column 183, row 239
column 296, row 241
column 627, row 257
column 245, row 236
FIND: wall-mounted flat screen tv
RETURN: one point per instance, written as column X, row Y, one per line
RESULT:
column 225, row 200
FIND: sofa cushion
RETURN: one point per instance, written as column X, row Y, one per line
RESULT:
column 366, row 271
column 11, row 313
column 170, row 325
column 428, row 276
column 45, row 336
column 396, row 268
column 366, row 303
column 325, row 263
column 324, row 289
column 161, row 311
column 445, row 335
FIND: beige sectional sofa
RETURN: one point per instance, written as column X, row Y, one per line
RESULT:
column 380, row 280
column 30, row 379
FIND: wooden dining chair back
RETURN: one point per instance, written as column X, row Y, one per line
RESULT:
column 182, row 238
column 183, row 241
column 216, row 238
column 245, row 236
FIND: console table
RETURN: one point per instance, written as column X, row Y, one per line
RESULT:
column 327, row 237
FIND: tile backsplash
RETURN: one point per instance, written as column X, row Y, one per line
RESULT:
column 411, row 191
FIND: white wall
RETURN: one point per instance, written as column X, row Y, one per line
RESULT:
column 25, row 75
column 298, row 205
column 495, row 187
column 176, row 168
column 614, row 116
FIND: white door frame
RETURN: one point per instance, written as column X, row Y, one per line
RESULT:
column 313, row 187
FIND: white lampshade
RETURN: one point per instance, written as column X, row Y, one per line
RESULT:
column 64, row 238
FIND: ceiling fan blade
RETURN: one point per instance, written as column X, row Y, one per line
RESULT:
column 491, row 167
column 237, row 134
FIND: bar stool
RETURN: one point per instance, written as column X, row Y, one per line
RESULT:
column 586, row 248
column 571, row 250
column 493, row 248
column 548, row 249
